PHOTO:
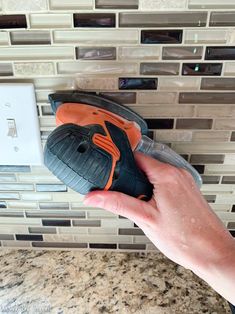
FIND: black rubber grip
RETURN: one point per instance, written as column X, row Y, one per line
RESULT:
column 71, row 155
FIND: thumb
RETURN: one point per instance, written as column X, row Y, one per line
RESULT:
column 121, row 204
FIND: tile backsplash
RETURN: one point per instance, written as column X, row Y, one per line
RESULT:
column 171, row 61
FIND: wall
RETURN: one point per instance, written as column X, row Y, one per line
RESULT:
column 171, row 61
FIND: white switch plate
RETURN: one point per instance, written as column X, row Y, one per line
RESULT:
column 17, row 101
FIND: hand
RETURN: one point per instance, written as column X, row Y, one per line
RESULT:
column 177, row 219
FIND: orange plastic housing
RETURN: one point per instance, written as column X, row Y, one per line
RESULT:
column 84, row 115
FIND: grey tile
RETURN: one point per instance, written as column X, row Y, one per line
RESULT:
column 150, row 68
column 179, row 53
column 207, row 98
column 96, row 53
column 228, row 180
column 130, row 231
column 7, row 178
column 200, row 69
column 220, row 53
column 11, row 213
column 210, row 179
column 47, row 111
column 6, row 69
column 3, row 204
column 44, row 135
column 55, row 214
column 132, row 246
column 218, row 83
column 233, row 137
column 178, row 19
column 15, row 169
column 231, row 225
column 55, row 223
column 9, row 196
column 122, row 97
column 114, row 4
column 194, row 123
column 141, row 83
column 6, row 237
column 30, row 38
column 51, row 188
column 42, row 230
column 222, row 19
column 16, row 187
column 54, row 205
column 207, row 159
column 86, row 223
column 210, row 198
column 29, row 237
column 64, row 245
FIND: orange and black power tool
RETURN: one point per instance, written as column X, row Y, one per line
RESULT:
column 92, row 147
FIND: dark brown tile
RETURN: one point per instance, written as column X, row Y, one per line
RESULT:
column 220, row 53
column 161, row 36
column 199, row 69
column 13, row 21
column 132, row 246
column 233, row 209
column 210, row 179
column 233, row 137
column 129, row 83
column 181, row 53
column 207, row 159
column 152, row 68
column 228, row 180
column 6, row 69
column 160, row 123
column 206, row 98
column 130, row 231
column 222, row 19
column 114, row 4
column 94, row 20
column 102, row 246
column 64, row 245
column 232, row 233
column 169, row 19
column 54, row 223
column 29, row 237
column 194, row 124
column 222, row 83
column 96, row 53
column 200, row 168
column 121, row 97
column 231, row 225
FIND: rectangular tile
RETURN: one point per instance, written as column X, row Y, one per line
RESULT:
column 96, row 36
column 207, row 98
column 47, row 111
column 212, row 4
column 162, row 4
column 168, row 136
column 56, row 223
column 136, row 53
column 19, row 221
column 20, row 204
column 210, row 198
column 30, row 38
column 132, row 246
column 9, row 196
column 36, row 53
column 193, row 123
column 98, row 68
column 169, row 19
column 218, row 83
column 54, row 205
column 22, row 5
column 122, row 97
column 16, row 244
column 211, row 136
column 164, row 110
column 202, row 69
column 160, row 123
column 129, row 83
column 42, row 230
column 205, row 36
column 99, row 214
column 157, row 97
column 179, row 53
column 29, row 237
column 55, row 214
column 178, row 83
column 233, row 136
column 161, row 36
column 206, row 159
column 11, row 213
column 62, row 245
column 220, row 53
column 33, row 68
column 102, row 246
column 7, row 178
column 94, row 20
column 71, row 4
column 73, row 230
column 86, row 223
column 13, row 21
column 231, row 225
column 228, row 180
column 216, row 111
column 6, row 69
column 50, row 20
column 222, row 19
column 229, row 68
column 233, row 208
column 103, row 231
column 113, row 4
column 14, row 169
column 16, row 187
column 4, row 38
column 3, row 205
column 220, row 169
column 224, row 124
column 51, row 188
column 96, row 53
column 210, row 179
column 7, row 237
column 148, row 68
column 130, row 231
column 94, row 83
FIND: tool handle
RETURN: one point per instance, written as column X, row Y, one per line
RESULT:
column 71, row 155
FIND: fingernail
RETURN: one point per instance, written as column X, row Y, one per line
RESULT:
column 96, row 200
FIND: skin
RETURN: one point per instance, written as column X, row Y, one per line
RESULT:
column 179, row 222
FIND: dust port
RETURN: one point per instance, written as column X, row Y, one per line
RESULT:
column 83, row 147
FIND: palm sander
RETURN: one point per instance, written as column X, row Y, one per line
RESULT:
column 93, row 144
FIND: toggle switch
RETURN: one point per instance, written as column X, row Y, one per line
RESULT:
column 12, row 131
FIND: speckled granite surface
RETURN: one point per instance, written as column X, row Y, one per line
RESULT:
column 101, row 282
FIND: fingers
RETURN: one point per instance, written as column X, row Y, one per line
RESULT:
column 121, row 204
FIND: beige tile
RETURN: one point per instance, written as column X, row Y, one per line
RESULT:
column 156, row 97
column 211, row 4
column 211, row 36
column 9, row 229
column 229, row 159
column 73, row 230
column 173, row 136
column 178, row 83
column 139, row 53
column 220, row 207
column 67, row 197
column 141, row 239
column 24, row 5
column 98, row 214
column 38, row 178
column 96, row 83
column 50, row 20
column 214, row 148
column 154, row 111
column 70, row 4
column 220, row 169
column 103, row 231
column 162, row 4
column 103, row 239
column 225, row 199
column 229, row 68
column 19, row 221
column 224, row 124
column 211, row 136
column 215, row 111
column 58, row 238
column 4, row 38
column 103, row 68
column 116, row 223
column 96, row 36
column 16, row 244
column 34, row 68
column 36, row 197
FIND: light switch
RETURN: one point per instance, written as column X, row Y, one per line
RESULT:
column 20, row 142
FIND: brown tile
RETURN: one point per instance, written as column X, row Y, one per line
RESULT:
column 194, row 123
column 160, row 123
column 207, row 159
column 114, row 4
column 218, row 83
column 6, row 69
column 200, row 168
column 220, row 53
column 63, row 245
column 132, row 246
column 130, row 231
column 207, row 98
column 233, row 137
column 199, row 69
column 94, row 20
column 149, row 68
column 222, row 19
column 181, row 53
column 228, row 180
column 96, row 53
column 107, row 246
column 13, row 21
column 156, row 36
column 121, row 97
column 231, row 225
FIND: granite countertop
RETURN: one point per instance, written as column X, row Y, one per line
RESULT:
column 101, row 282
